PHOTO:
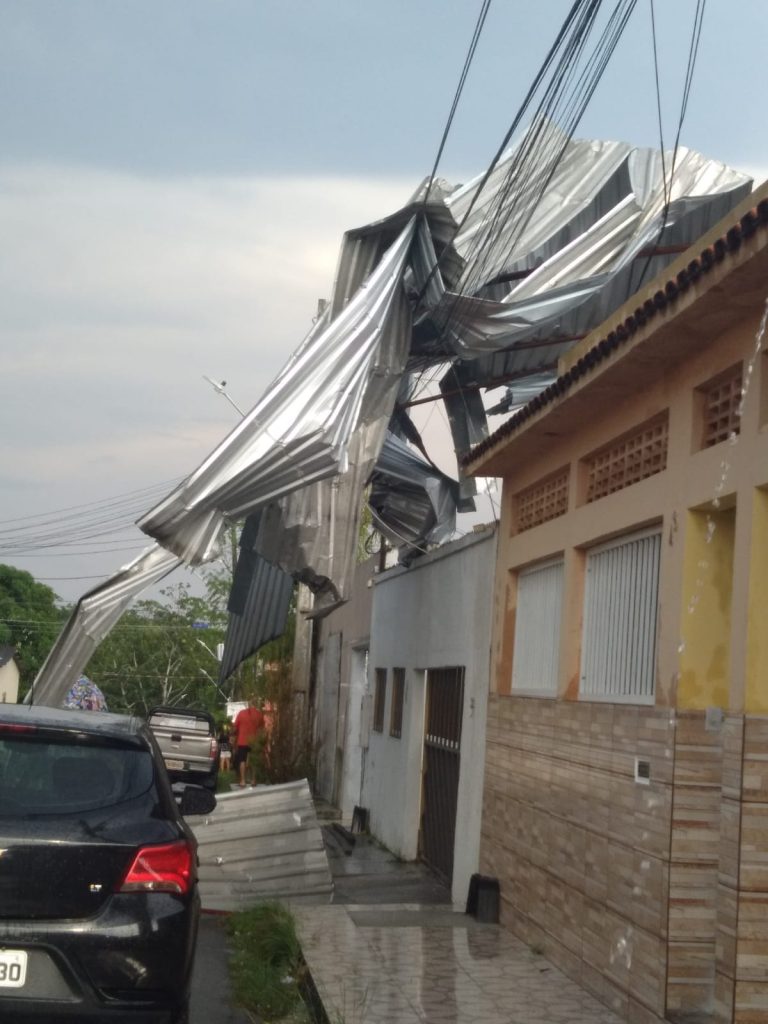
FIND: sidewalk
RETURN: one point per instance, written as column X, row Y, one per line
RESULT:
column 381, row 961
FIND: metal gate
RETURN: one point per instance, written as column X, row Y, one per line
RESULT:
column 442, row 746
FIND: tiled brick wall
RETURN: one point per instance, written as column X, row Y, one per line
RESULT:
column 694, row 864
column 580, row 849
column 742, row 964
column 655, row 898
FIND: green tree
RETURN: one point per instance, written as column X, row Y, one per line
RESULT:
column 31, row 616
column 164, row 651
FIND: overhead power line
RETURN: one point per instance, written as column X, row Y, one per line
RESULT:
column 693, row 53
column 104, row 502
column 102, row 527
column 484, row 8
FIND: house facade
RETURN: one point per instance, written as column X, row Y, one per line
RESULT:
column 429, row 659
column 625, row 807
column 400, row 697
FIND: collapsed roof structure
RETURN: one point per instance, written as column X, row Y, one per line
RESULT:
column 486, row 284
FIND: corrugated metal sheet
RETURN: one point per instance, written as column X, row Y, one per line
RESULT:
column 620, row 611
column 413, row 503
column 261, row 844
column 93, row 617
column 572, row 256
column 532, row 269
column 300, row 430
column 258, row 602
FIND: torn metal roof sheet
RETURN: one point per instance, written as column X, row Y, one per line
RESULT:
column 261, row 843
column 659, row 297
column 348, row 368
column 413, row 503
column 93, row 617
column 259, row 602
column 497, row 279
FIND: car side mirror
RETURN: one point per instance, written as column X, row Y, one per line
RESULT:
column 196, row 800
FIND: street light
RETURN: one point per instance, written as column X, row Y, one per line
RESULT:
column 218, row 387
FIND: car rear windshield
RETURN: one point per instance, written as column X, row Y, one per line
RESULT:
column 44, row 775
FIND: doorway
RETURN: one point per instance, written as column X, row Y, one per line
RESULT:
column 442, row 759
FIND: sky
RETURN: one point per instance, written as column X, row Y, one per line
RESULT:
column 175, row 180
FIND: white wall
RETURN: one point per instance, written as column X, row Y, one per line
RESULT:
column 434, row 615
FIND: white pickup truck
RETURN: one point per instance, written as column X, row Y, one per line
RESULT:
column 187, row 741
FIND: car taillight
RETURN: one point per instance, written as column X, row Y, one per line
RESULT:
column 13, row 727
column 166, row 868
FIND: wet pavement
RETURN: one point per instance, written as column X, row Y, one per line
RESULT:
column 376, row 958
column 211, row 1001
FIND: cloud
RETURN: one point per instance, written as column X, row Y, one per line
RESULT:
column 120, row 292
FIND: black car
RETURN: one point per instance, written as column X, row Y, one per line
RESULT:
column 98, row 882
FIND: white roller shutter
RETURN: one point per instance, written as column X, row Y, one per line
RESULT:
column 537, row 629
column 620, row 608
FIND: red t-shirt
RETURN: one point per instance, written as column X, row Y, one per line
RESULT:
column 248, row 725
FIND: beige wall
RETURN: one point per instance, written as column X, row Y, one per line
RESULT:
column 692, row 480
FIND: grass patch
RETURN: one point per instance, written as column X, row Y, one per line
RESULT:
column 267, row 968
column 224, row 781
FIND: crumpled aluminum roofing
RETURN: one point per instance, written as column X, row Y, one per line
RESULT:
column 347, row 370
column 413, row 503
column 93, row 617
column 577, row 256
column 525, row 277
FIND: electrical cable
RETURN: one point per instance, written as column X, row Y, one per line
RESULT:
column 102, row 527
column 105, row 502
column 71, row 579
column 519, row 177
column 535, row 162
column 658, row 101
column 550, row 57
column 52, row 555
column 532, row 166
column 484, row 8
column 693, row 52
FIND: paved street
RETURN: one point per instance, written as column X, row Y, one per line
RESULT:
column 211, row 990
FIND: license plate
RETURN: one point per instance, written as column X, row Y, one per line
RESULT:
column 176, row 766
column 13, row 968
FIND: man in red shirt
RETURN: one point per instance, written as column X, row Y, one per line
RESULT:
column 248, row 725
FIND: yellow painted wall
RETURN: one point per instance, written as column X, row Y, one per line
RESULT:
column 705, row 621
column 756, row 696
